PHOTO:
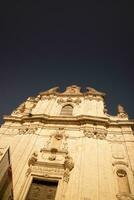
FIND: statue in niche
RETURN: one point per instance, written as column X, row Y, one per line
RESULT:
column 121, row 111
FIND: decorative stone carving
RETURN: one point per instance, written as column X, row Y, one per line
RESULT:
column 96, row 133
column 26, row 130
column 101, row 135
column 120, row 162
column 19, row 110
column 121, row 112
column 48, row 97
column 64, row 146
column 57, row 143
column 69, row 100
column 121, row 173
column 23, row 130
column 53, row 90
column 52, row 157
column 33, row 159
column 26, row 107
column 47, row 145
column 74, row 89
column 68, row 166
column 105, row 109
column 31, row 130
column 1, row 153
column 58, row 136
column 89, row 133
column 124, row 196
column 94, row 92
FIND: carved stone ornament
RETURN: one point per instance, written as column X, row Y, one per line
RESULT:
column 121, row 173
column 26, row 130
column 1, row 153
column 68, row 166
column 32, row 130
column 96, row 133
column 19, row 110
column 48, row 97
column 56, row 144
column 33, row 159
column 94, row 92
column 125, row 196
column 26, row 107
column 74, row 89
column 69, row 100
column 23, row 130
column 89, row 133
column 53, row 90
column 120, row 162
column 52, row 157
column 58, row 136
column 121, row 112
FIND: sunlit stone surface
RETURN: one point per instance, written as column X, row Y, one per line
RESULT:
column 65, row 145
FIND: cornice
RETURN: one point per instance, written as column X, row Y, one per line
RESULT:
column 73, row 91
column 75, row 120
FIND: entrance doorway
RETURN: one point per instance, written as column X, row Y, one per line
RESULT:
column 42, row 190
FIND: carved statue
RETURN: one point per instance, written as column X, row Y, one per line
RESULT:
column 121, row 111
column 33, row 159
column 68, row 163
column 68, row 166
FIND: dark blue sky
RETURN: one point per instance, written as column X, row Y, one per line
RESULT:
column 48, row 44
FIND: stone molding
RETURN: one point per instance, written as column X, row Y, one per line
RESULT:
column 68, row 100
column 125, row 196
column 120, row 162
column 72, row 90
column 48, row 168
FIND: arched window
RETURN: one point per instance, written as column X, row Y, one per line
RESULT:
column 67, row 110
column 123, row 183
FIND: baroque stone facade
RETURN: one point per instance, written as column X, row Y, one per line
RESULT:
column 65, row 146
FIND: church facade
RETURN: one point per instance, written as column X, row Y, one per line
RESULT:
column 65, row 146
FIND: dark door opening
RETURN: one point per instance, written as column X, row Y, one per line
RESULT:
column 42, row 190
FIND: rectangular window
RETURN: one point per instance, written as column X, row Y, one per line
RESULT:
column 42, row 190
